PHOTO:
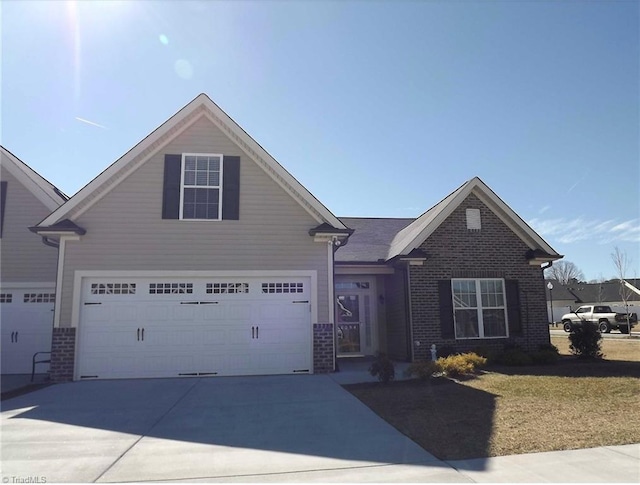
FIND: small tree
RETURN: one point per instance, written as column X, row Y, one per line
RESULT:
column 564, row 272
column 585, row 341
column 622, row 262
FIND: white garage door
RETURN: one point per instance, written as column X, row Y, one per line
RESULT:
column 26, row 317
column 194, row 326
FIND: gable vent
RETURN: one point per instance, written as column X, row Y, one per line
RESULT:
column 473, row 219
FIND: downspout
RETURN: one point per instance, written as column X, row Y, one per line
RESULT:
column 332, row 247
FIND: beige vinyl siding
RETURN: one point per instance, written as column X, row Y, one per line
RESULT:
column 23, row 256
column 125, row 229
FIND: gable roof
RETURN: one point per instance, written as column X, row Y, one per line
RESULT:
column 201, row 106
column 371, row 238
column 417, row 232
column 47, row 193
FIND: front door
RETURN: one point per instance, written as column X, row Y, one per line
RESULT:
column 355, row 316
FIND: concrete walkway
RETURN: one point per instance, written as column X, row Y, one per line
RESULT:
column 248, row 429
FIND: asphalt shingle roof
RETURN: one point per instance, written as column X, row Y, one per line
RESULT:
column 371, row 240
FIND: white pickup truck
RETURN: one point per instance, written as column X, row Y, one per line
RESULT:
column 602, row 315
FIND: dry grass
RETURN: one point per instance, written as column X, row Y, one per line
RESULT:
column 507, row 410
column 613, row 349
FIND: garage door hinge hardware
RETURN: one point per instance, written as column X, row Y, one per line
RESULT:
column 301, row 301
column 92, row 303
column 199, row 302
column 198, row 374
column 301, row 370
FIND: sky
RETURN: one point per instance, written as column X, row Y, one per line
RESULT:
column 379, row 108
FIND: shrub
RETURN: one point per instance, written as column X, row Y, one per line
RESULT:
column 382, row 368
column 514, row 357
column 478, row 361
column 546, row 354
column 585, row 341
column 460, row 364
column 422, row 370
column 545, row 357
column 445, row 351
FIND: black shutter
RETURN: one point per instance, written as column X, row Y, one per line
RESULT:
column 446, row 309
column 171, row 189
column 231, row 188
column 513, row 307
column 3, row 203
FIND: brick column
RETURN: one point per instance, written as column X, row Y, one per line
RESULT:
column 323, row 351
column 63, row 346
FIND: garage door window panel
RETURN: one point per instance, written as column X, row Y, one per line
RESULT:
column 113, row 288
column 227, row 288
column 6, row 297
column 282, row 287
column 170, row 288
column 39, row 298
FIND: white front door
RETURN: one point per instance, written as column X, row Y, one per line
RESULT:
column 26, row 318
column 194, row 326
column 356, row 316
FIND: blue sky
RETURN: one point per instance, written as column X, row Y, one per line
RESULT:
column 378, row 108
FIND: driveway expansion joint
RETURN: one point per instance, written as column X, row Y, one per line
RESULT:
column 146, row 433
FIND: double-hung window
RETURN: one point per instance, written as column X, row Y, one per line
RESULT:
column 479, row 308
column 201, row 187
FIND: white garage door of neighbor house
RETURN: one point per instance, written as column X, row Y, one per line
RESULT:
column 26, row 318
column 169, row 327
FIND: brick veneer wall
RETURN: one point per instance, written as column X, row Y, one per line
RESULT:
column 323, row 351
column 63, row 345
column 456, row 252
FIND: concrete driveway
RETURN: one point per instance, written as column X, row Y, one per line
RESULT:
column 276, row 428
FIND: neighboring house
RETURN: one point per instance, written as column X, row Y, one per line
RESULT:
column 562, row 300
column 466, row 274
column 196, row 253
column 27, row 267
column 605, row 293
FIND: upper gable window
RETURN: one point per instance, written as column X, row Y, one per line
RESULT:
column 201, row 188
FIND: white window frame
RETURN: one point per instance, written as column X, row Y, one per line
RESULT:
column 219, row 187
column 479, row 308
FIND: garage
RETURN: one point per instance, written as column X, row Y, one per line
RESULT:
column 199, row 326
column 26, row 314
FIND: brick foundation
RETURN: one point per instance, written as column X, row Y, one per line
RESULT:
column 62, row 354
column 323, row 351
